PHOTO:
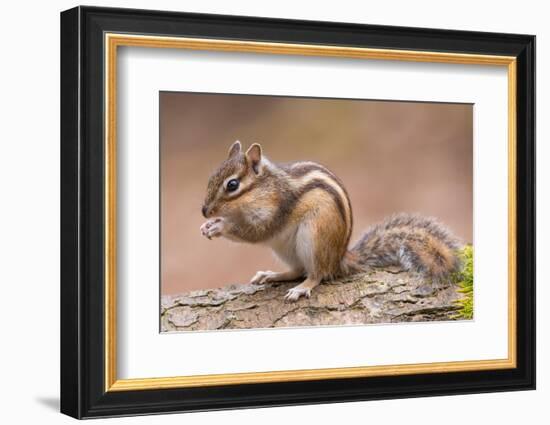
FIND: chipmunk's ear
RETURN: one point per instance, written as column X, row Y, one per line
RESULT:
column 234, row 149
column 254, row 157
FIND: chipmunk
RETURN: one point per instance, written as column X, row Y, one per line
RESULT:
column 302, row 211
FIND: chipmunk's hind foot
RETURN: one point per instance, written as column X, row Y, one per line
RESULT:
column 303, row 289
column 268, row 276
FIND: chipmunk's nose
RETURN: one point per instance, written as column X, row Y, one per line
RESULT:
column 204, row 210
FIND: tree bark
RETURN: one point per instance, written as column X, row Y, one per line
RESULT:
column 382, row 296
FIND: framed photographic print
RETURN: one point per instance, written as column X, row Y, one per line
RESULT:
column 261, row 212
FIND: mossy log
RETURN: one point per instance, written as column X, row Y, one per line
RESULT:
column 382, row 296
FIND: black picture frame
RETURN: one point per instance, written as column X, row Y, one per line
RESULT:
column 83, row 392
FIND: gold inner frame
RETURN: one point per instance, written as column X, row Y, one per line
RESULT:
column 113, row 41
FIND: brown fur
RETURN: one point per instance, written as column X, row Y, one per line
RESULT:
column 296, row 170
column 328, row 233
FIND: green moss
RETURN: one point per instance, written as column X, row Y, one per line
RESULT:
column 465, row 280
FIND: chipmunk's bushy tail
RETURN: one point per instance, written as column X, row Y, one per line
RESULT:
column 412, row 242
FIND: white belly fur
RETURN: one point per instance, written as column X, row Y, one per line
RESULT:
column 289, row 250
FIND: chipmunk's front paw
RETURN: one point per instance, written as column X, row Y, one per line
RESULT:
column 213, row 227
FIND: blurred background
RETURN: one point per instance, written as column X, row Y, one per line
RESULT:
column 392, row 156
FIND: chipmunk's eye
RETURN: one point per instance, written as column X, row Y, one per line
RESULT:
column 232, row 185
